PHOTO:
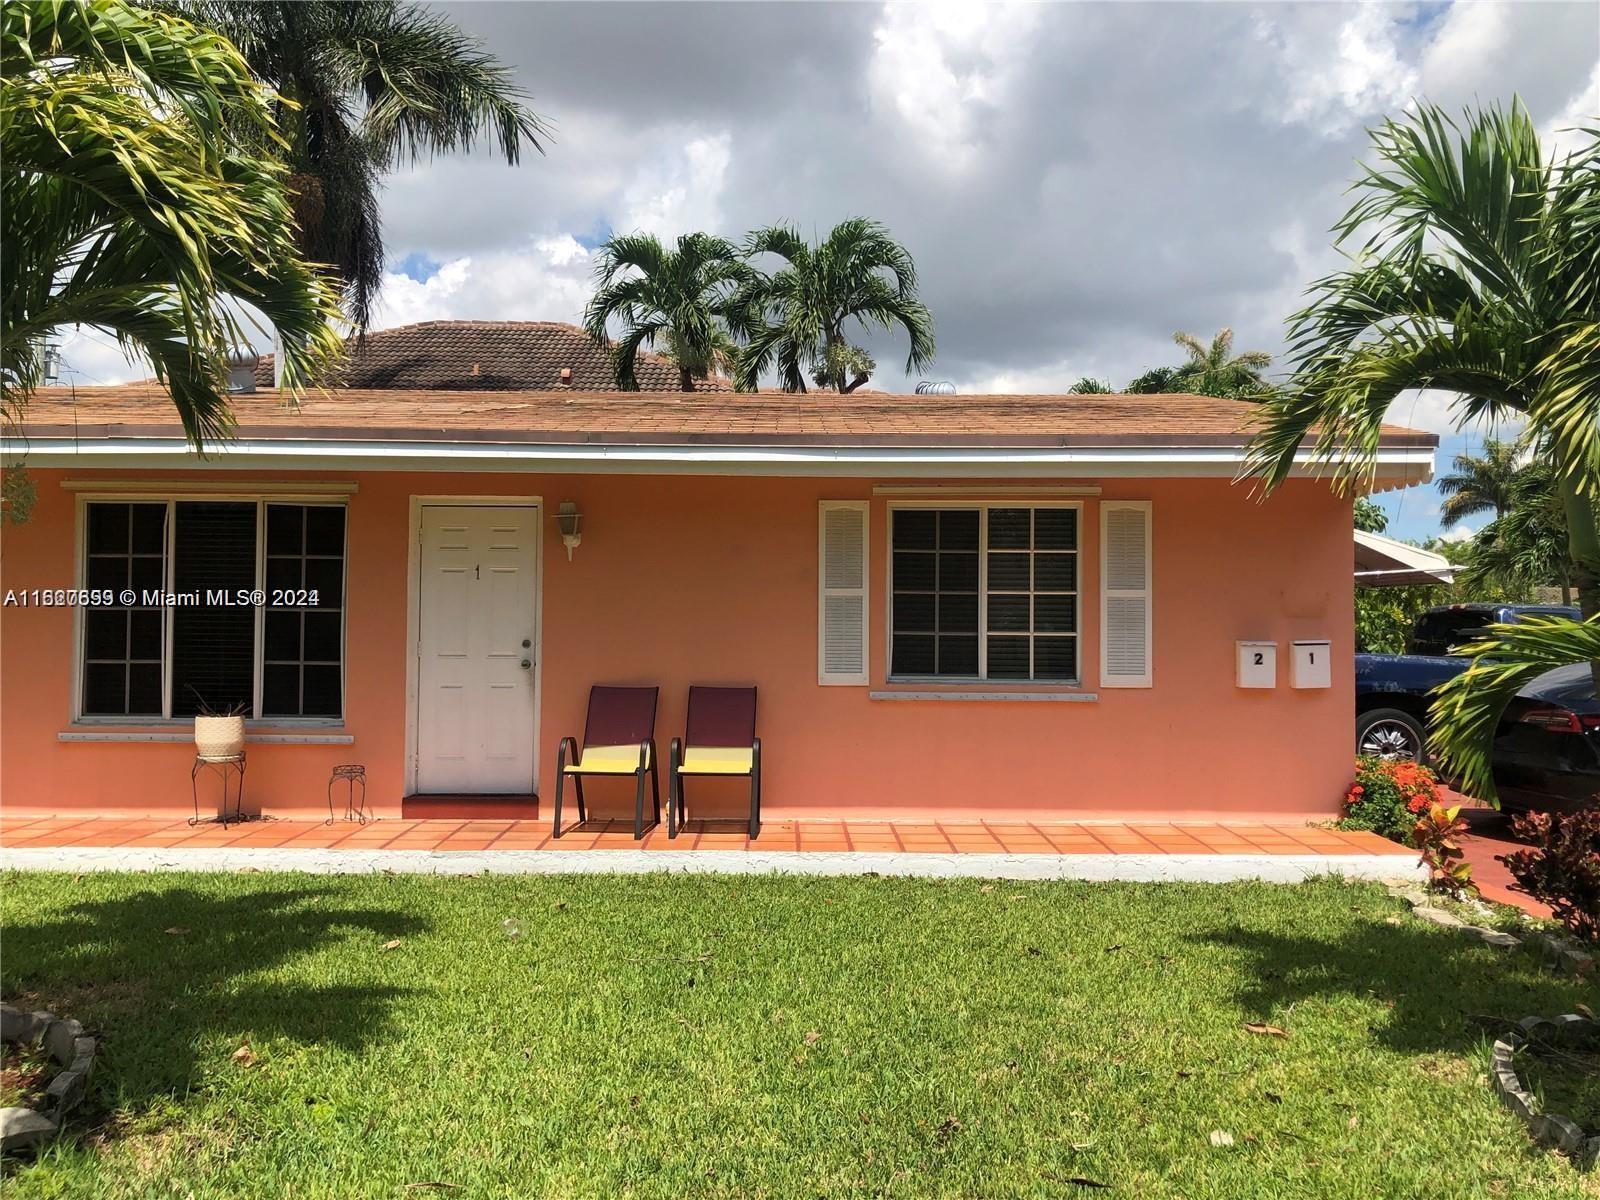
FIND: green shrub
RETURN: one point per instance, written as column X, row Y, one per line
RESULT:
column 1388, row 796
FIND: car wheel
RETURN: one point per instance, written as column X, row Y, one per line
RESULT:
column 1390, row 733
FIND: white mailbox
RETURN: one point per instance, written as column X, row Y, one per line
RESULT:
column 1309, row 665
column 1258, row 664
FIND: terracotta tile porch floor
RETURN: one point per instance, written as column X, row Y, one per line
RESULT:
column 826, row 837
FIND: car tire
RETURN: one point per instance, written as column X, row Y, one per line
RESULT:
column 1391, row 733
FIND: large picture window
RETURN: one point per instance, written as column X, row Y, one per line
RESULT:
column 984, row 593
column 223, row 617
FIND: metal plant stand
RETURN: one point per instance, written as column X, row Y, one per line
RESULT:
column 224, row 767
column 354, row 809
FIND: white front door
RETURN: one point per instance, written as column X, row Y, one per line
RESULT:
column 476, row 673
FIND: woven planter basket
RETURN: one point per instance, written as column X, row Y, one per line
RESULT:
column 219, row 737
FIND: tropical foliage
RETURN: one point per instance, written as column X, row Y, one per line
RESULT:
column 1386, row 616
column 1213, row 369
column 1504, row 661
column 1526, row 545
column 1090, row 386
column 797, row 319
column 1210, row 369
column 1369, row 518
column 678, row 299
column 367, row 86
column 1562, row 866
column 140, row 184
column 1437, row 834
column 1478, row 273
column 1480, row 483
column 1153, row 381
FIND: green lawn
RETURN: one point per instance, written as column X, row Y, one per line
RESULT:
column 715, row 1036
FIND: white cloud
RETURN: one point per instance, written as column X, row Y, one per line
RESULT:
column 1335, row 79
column 551, row 277
column 1559, row 135
column 1458, row 533
column 937, row 67
column 546, row 280
column 1437, row 411
column 1468, row 40
column 1055, row 378
column 91, row 356
column 679, row 194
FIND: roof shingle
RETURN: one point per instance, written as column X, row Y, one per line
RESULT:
column 575, row 417
column 489, row 356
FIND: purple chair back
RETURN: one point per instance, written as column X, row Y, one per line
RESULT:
column 620, row 716
column 721, row 716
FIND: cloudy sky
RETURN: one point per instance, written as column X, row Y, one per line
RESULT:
column 1075, row 181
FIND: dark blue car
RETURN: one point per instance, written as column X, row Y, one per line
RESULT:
column 1392, row 689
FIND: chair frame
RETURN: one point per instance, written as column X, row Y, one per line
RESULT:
column 648, row 764
column 677, row 811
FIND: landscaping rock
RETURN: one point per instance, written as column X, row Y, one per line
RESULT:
column 18, row 1026
column 1557, row 1131
column 1496, row 937
column 1566, row 957
column 60, row 1039
column 66, row 1091
column 83, row 1055
column 1551, row 1129
column 22, row 1129
column 1439, row 917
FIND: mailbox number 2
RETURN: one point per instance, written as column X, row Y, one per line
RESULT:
column 1260, row 659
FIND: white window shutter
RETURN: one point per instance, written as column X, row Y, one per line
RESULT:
column 842, row 592
column 1125, row 599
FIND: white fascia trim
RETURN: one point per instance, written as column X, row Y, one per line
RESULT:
column 1407, row 465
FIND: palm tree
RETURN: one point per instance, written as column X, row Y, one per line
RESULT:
column 1215, row 370
column 367, row 85
column 1480, row 483
column 796, row 317
column 1480, row 274
column 680, row 297
column 1525, row 545
column 134, row 200
column 1153, row 381
column 1090, row 386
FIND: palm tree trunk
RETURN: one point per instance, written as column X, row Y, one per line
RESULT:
column 835, row 364
column 1583, row 536
column 685, row 380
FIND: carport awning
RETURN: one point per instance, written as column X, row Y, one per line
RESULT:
column 1384, row 562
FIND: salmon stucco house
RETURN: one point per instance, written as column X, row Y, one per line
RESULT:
column 952, row 606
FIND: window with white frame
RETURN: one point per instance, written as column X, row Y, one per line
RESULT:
column 986, row 592
column 236, row 605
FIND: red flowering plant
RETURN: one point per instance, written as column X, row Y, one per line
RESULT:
column 1388, row 796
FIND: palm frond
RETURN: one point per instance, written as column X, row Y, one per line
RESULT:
column 1466, row 710
column 133, row 203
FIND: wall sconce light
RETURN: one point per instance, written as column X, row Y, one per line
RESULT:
column 569, row 520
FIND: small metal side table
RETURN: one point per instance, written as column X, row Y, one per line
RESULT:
column 354, row 809
column 224, row 767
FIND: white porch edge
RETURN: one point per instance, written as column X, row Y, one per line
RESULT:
column 1132, row 868
column 1394, row 466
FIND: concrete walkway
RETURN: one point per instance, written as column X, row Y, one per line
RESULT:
column 1141, row 852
